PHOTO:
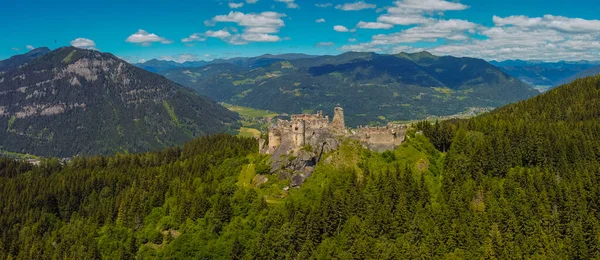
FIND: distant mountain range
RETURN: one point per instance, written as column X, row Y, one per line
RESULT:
column 593, row 71
column 544, row 75
column 17, row 61
column 373, row 88
column 159, row 66
column 82, row 102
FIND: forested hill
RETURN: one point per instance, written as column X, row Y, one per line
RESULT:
column 17, row 61
column 518, row 183
column 372, row 88
column 81, row 102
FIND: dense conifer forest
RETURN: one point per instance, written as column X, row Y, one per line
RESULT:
column 520, row 182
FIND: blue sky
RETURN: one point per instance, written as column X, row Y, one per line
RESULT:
column 183, row 30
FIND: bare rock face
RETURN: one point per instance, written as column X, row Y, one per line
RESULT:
column 298, row 179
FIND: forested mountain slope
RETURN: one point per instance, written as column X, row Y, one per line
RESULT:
column 586, row 73
column 544, row 75
column 17, row 61
column 372, row 88
column 520, row 182
column 81, row 102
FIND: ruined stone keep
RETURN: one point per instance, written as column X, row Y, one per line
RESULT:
column 316, row 132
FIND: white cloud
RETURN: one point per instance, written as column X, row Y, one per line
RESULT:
column 340, row 28
column 559, row 23
column 363, row 47
column 324, row 44
column 196, row 37
column 289, row 3
column 320, row 20
column 221, row 34
column 444, row 29
column 323, row 5
column 526, row 39
column 413, row 12
column 402, row 6
column 83, row 43
column 233, row 5
column 261, row 27
column 251, row 1
column 371, row 25
column 30, row 47
column 145, row 39
column 356, row 6
column 260, row 37
column 404, row 19
column 352, row 40
column 264, row 19
column 15, row 49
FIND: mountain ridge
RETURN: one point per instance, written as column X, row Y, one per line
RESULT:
column 81, row 102
column 372, row 88
column 17, row 61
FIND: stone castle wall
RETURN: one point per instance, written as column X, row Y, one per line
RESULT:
column 316, row 131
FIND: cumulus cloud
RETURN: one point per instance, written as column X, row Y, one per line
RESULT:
column 408, row 19
column 30, row 47
column 261, row 27
column 414, row 12
column 323, row 5
column 233, row 5
column 324, row 44
column 340, row 28
column 356, row 6
column 444, row 29
column 320, row 20
column 550, row 38
column 251, row 1
column 15, row 49
column 221, row 34
column 289, row 3
column 83, row 43
column 404, row 6
column 146, row 39
column 362, row 47
column 559, row 23
column 195, row 37
column 372, row 25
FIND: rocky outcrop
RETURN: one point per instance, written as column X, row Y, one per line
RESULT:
column 297, row 145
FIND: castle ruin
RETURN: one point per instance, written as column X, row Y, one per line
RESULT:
column 319, row 134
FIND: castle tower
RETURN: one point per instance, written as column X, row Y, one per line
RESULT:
column 338, row 124
column 298, row 130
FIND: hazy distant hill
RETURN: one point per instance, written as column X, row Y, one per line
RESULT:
column 543, row 75
column 73, row 101
column 17, row 61
column 586, row 73
column 372, row 88
column 159, row 66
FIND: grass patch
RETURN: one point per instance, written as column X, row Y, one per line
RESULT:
column 250, row 112
column 286, row 65
column 13, row 155
column 245, row 178
column 171, row 113
column 69, row 57
column 243, row 82
column 249, row 132
column 11, row 121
